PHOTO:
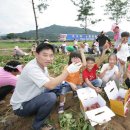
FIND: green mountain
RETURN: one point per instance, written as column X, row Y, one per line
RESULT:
column 52, row 32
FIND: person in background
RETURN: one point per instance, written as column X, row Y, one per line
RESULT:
column 117, row 36
column 75, row 44
column 86, row 47
column 46, row 41
column 30, row 96
column 122, row 54
column 95, row 49
column 63, row 47
column 102, row 39
column 18, row 52
column 33, row 49
column 8, row 78
column 70, row 49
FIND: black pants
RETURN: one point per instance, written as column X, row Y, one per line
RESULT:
column 5, row 90
column 127, row 82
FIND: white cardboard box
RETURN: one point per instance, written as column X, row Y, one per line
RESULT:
column 86, row 93
column 112, row 92
column 97, row 116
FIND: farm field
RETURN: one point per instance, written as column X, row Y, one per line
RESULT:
column 72, row 119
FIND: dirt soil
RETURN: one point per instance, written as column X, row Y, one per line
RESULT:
column 9, row 121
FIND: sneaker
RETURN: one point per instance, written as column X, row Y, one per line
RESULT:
column 75, row 94
column 47, row 127
column 61, row 109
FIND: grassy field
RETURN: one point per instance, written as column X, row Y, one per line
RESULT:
column 26, row 44
column 6, row 48
column 4, row 45
column 10, row 45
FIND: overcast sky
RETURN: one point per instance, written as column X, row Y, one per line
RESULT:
column 17, row 16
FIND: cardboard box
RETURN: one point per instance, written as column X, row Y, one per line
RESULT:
column 96, row 116
column 100, row 115
column 112, row 92
column 90, row 101
column 86, row 93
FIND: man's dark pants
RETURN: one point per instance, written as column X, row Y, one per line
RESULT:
column 40, row 106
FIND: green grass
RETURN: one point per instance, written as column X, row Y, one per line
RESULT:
column 6, row 45
column 10, row 45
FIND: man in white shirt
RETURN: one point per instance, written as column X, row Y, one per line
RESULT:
column 30, row 96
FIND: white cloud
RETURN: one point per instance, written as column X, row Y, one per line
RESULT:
column 17, row 16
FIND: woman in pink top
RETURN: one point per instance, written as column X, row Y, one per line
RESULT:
column 8, row 78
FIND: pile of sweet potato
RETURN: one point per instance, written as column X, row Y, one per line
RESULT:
column 119, row 98
column 93, row 106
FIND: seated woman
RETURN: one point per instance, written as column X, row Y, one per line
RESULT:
column 8, row 78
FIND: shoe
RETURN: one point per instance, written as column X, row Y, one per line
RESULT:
column 75, row 94
column 61, row 109
column 47, row 127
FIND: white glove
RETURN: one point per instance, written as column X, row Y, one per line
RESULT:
column 74, row 67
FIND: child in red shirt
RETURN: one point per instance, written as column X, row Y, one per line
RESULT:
column 89, row 74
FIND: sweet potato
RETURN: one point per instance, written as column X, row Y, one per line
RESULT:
column 97, row 105
column 93, row 106
column 119, row 98
column 89, row 108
